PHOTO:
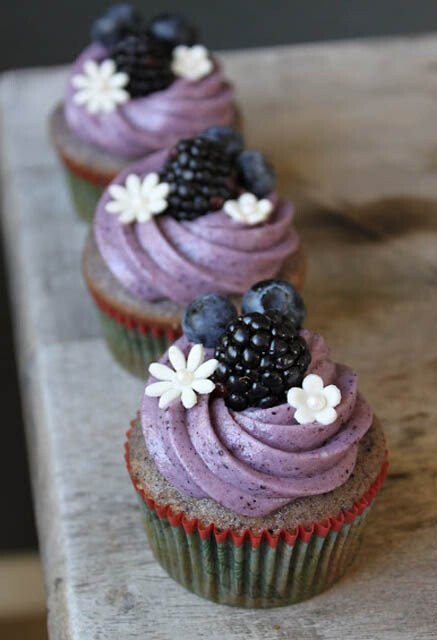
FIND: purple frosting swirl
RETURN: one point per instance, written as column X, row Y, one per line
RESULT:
column 256, row 461
column 156, row 121
column 165, row 258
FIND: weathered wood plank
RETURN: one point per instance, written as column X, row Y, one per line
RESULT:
column 350, row 127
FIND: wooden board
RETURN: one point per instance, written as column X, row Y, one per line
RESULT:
column 351, row 128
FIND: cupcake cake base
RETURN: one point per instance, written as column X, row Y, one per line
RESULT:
column 284, row 558
column 139, row 332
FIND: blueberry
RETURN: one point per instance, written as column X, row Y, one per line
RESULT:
column 255, row 173
column 277, row 295
column 206, row 318
column 231, row 141
column 172, row 30
column 117, row 22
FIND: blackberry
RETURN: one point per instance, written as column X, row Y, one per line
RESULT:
column 201, row 176
column 146, row 61
column 261, row 355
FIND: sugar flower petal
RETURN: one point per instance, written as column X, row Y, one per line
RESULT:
column 303, row 415
column 189, row 398
column 206, row 369
column 195, row 357
column 167, row 398
column 296, row 397
column 177, row 358
column 332, row 395
column 203, row 386
column 327, row 416
column 312, row 384
column 158, row 388
column 161, row 371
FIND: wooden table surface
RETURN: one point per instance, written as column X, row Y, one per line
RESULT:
column 351, row 127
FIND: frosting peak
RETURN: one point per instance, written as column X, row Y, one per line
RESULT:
column 255, row 461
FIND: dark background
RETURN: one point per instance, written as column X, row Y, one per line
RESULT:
column 43, row 32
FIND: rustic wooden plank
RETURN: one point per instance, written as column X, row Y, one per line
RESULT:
column 350, row 127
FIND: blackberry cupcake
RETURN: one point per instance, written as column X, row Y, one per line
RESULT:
column 136, row 89
column 254, row 457
column 202, row 217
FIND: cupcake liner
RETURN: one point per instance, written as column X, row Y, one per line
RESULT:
column 254, row 570
column 84, row 193
column 132, row 348
column 135, row 345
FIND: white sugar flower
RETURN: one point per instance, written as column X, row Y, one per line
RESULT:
column 138, row 200
column 191, row 63
column 314, row 402
column 248, row 209
column 189, row 376
column 100, row 87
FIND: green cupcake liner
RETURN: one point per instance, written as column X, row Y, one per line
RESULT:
column 85, row 195
column 133, row 349
column 248, row 569
column 245, row 576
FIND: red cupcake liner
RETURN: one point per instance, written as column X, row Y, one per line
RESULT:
column 87, row 174
column 128, row 322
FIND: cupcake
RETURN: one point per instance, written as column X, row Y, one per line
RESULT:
column 255, row 458
column 136, row 89
column 203, row 217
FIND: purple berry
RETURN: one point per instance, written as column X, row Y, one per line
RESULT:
column 117, row 22
column 231, row 141
column 275, row 295
column 206, row 318
column 172, row 30
column 255, row 172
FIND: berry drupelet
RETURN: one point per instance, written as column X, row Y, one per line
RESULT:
column 201, row 176
column 146, row 61
column 261, row 356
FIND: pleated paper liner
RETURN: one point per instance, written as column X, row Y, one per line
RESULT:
column 135, row 345
column 85, row 186
column 85, row 195
column 254, row 570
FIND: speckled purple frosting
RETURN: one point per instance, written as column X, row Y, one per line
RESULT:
column 166, row 258
column 156, row 121
column 255, row 461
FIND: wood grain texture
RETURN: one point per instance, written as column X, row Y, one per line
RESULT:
column 350, row 127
